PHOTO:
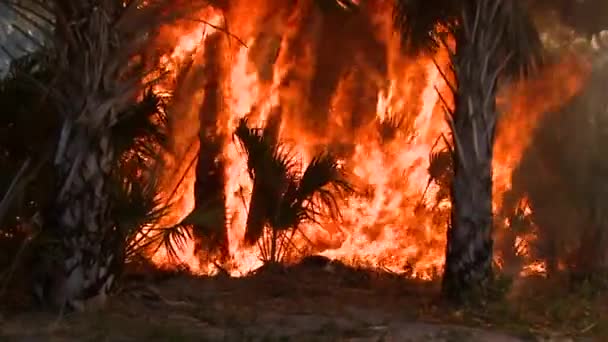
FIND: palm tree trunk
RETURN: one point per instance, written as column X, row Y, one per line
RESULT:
column 83, row 223
column 468, row 264
column 469, row 239
column 210, row 177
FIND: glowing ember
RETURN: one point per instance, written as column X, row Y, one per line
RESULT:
column 390, row 224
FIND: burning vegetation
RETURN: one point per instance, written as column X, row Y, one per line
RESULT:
column 222, row 136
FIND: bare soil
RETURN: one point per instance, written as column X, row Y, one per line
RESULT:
column 301, row 303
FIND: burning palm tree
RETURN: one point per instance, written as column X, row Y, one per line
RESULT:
column 285, row 196
column 492, row 38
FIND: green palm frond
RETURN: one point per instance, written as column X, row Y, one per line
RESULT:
column 25, row 27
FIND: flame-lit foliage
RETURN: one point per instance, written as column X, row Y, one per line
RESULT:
column 285, row 196
column 390, row 126
column 139, row 139
column 97, row 54
column 441, row 171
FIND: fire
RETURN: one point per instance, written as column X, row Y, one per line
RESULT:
column 390, row 225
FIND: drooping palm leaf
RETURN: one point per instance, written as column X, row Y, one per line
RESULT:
column 284, row 196
column 136, row 208
column 320, row 187
column 271, row 168
column 143, row 128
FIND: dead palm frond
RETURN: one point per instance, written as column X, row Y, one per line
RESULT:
column 390, row 126
column 440, row 170
column 284, row 196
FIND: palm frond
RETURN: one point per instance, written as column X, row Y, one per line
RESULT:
column 423, row 25
column 324, row 179
column 142, row 128
column 390, row 126
column 140, row 139
column 136, row 207
column 521, row 42
column 284, row 196
column 418, row 21
column 172, row 240
column 440, row 166
column 272, row 167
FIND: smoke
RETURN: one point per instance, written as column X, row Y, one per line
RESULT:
column 587, row 17
column 562, row 174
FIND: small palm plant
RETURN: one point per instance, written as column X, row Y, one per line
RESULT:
column 285, row 195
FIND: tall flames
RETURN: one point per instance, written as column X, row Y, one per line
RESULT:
column 274, row 65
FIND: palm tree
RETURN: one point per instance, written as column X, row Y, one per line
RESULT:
column 492, row 38
column 210, row 177
column 96, row 51
column 284, row 195
column 138, row 139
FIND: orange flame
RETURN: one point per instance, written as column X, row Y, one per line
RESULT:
column 391, row 226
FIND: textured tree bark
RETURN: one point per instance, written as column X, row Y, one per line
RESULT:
column 210, row 177
column 469, row 253
column 82, row 222
column 469, row 239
